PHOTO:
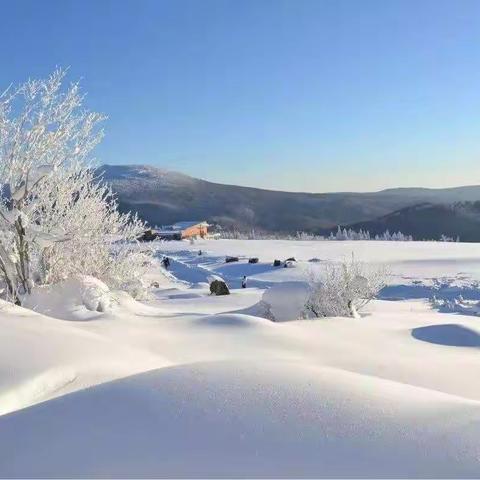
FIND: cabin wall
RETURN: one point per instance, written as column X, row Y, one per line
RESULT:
column 195, row 231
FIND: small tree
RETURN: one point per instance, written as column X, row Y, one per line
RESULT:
column 56, row 218
column 342, row 290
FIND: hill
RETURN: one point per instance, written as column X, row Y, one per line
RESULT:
column 429, row 221
column 161, row 197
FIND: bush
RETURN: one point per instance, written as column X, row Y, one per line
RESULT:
column 57, row 218
column 342, row 290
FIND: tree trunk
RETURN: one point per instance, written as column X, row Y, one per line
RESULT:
column 8, row 277
column 23, row 264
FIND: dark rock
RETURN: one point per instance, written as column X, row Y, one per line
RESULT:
column 219, row 287
column 277, row 263
column 291, row 259
column 253, row 260
column 148, row 236
column 231, row 259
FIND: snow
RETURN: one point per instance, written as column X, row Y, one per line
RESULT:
column 192, row 385
column 213, row 419
column 72, row 299
column 286, row 301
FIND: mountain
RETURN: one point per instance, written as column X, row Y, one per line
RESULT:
column 162, row 197
column 429, row 221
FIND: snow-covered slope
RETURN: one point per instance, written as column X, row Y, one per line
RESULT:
column 42, row 357
column 245, row 419
column 192, row 385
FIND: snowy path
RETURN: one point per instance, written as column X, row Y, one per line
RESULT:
column 191, row 268
column 190, row 274
column 435, row 269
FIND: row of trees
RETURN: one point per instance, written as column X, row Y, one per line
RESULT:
column 57, row 219
column 344, row 234
column 341, row 234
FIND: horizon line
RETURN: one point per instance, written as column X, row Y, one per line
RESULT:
column 340, row 192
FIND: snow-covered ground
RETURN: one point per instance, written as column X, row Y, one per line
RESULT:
column 192, row 385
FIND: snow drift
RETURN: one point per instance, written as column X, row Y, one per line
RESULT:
column 286, row 301
column 242, row 419
column 80, row 297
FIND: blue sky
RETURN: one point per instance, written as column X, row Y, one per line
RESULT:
column 293, row 95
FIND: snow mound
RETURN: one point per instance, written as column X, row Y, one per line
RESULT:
column 212, row 278
column 43, row 357
column 95, row 294
column 452, row 335
column 78, row 298
column 286, row 301
column 242, row 419
column 232, row 320
column 36, row 389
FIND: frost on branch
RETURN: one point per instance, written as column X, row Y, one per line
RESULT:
column 342, row 290
column 57, row 219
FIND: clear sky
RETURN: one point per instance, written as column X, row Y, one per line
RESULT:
column 293, row 95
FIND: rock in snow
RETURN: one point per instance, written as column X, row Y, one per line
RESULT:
column 219, row 287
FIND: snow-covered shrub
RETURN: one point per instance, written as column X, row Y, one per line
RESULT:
column 456, row 305
column 446, row 238
column 342, row 290
column 95, row 295
column 57, row 219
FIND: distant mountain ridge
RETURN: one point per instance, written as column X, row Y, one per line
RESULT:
column 162, row 197
column 427, row 221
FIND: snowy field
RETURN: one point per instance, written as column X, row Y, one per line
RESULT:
column 192, row 385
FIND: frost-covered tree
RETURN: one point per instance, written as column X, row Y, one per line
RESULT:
column 446, row 238
column 56, row 218
column 342, row 290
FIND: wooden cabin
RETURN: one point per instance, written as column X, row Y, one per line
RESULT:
column 181, row 230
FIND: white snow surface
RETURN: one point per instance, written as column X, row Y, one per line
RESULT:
column 193, row 385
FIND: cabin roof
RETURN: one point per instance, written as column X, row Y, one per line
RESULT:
column 185, row 225
column 179, row 226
